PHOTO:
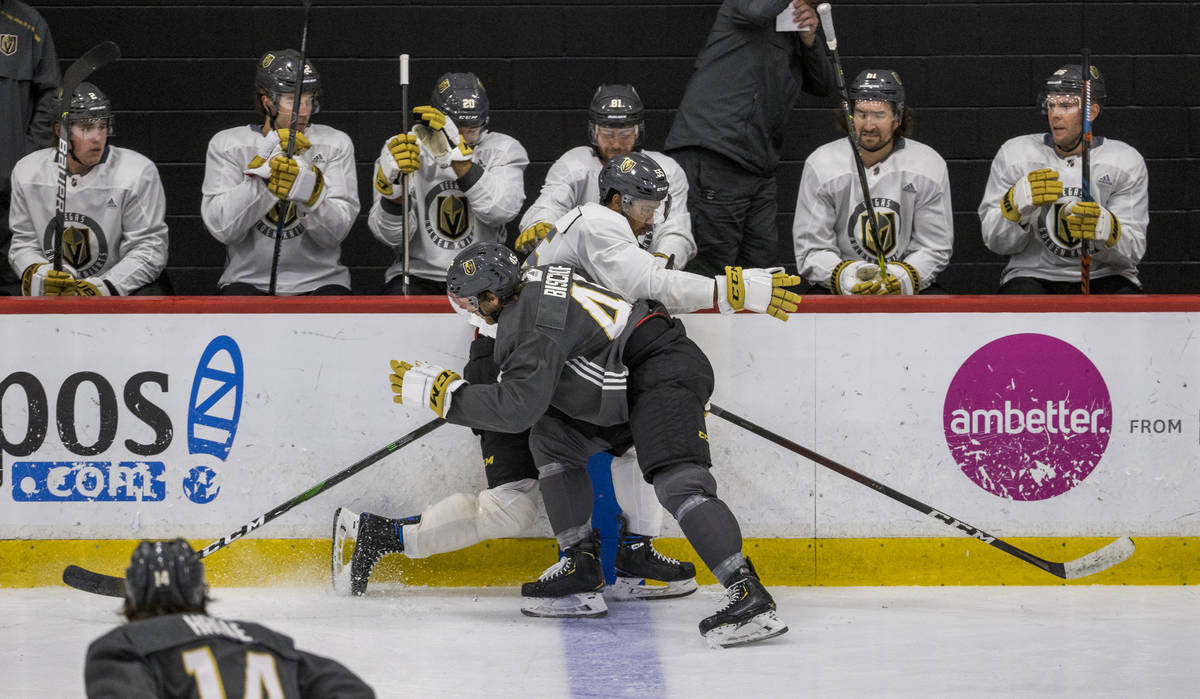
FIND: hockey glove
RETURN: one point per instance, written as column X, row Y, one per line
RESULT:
column 533, row 235
column 1038, row 188
column 439, row 135
column 40, row 279
column 758, row 290
column 419, row 383
column 1090, row 221
column 296, row 179
column 93, row 286
column 901, row 279
column 274, row 143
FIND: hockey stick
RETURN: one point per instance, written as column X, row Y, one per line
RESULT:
column 288, row 207
column 404, row 177
column 826, row 14
column 1094, row 562
column 112, row 586
column 96, row 57
column 1085, row 162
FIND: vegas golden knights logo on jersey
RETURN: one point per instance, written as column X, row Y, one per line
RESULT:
column 77, row 247
column 453, row 216
column 886, row 230
column 8, row 44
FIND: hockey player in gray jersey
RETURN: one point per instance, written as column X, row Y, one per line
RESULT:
column 588, row 370
column 616, row 126
column 1035, row 211
column 910, row 192
column 467, row 183
column 172, row 649
column 114, row 239
column 249, row 183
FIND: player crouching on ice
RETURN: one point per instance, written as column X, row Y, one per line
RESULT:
column 589, row 371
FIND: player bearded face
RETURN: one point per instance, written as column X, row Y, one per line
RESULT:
column 613, row 142
column 876, row 124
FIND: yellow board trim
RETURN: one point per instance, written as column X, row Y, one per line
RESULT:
column 509, row 562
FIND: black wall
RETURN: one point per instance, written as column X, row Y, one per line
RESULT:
column 972, row 70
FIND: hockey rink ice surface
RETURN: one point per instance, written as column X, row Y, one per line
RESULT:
column 1077, row 641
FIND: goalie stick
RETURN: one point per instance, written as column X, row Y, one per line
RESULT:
column 95, row 58
column 112, row 586
column 1094, row 562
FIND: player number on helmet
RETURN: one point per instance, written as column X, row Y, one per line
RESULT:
column 616, row 102
column 468, row 103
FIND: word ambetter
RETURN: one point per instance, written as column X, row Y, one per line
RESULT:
column 1056, row 418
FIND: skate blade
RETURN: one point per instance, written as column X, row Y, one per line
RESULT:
column 760, row 628
column 345, row 533
column 627, row 589
column 589, row 605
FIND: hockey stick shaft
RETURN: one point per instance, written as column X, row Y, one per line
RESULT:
column 113, row 586
column 288, row 207
column 826, row 14
column 1085, row 162
column 404, row 178
column 1092, row 563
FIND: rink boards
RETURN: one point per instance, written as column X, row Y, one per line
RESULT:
column 1056, row 424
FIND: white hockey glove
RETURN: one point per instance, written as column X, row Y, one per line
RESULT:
column 40, row 279
column 295, row 179
column 429, row 384
column 864, row 279
column 274, row 143
column 757, row 290
column 1038, row 188
column 1090, row 221
column 439, row 135
column 533, row 235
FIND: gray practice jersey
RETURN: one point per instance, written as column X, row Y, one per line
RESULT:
column 448, row 213
column 910, row 191
column 242, row 213
column 599, row 241
column 574, row 180
column 560, row 344
column 114, row 228
column 1038, row 245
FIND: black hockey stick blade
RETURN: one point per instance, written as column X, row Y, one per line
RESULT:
column 95, row 58
column 1094, row 562
column 113, row 586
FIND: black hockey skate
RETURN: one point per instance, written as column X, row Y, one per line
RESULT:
column 372, row 537
column 747, row 614
column 572, row 587
column 639, row 564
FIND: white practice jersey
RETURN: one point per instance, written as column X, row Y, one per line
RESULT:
column 574, row 180
column 599, row 241
column 910, row 191
column 1038, row 246
column 241, row 212
column 114, row 228
column 448, row 214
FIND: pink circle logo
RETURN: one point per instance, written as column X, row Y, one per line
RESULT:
column 1027, row 417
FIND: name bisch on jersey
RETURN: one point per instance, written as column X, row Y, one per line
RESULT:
column 557, row 282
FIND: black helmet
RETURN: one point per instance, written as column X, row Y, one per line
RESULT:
column 616, row 106
column 165, row 577
column 1067, row 80
column 461, row 97
column 276, row 75
column 87, row 104
column 635, row 175
column 483, row 267
column 878, row 85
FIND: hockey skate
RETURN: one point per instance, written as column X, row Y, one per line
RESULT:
column 370, row 537
column 747, row 614
column 572, row 587
column 639, row 564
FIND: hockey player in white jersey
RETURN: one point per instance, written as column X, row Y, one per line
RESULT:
column 616, row 126
column 114, row 240
column 460, row 193
column 910, row 191
column 249, row 183
column 1034, row 209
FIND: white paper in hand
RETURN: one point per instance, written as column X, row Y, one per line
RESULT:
column 785, row 23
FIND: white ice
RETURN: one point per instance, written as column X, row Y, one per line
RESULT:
column 1095, row 641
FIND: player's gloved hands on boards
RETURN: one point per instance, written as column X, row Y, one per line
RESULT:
column 533, row 235
column 92, row 286
column 40, row 279
column 440, row 136
column 871, row 283
column 399, row 156
column 1038, row 188
column 1090, row 221
column 427, row 384
column 758, row 290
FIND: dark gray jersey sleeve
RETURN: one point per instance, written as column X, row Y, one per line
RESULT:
column 529, row 375
column 325, row 678
column 115, row 669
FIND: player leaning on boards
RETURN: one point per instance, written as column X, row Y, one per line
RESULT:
column 250, row 182
column 172, row 649
column 467, row 182
column 910, row 191
column 616, row 127
column 1032, row 208
column 587, row 371
column 114, row 239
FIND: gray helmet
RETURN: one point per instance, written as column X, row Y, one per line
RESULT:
column 87, row 104
column 461, row 97
column 483, row 267
column 636, row 175
column 165, row 577
column 276, row 75
column 1067, row 80
column 616, row 106
column 878, row 85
